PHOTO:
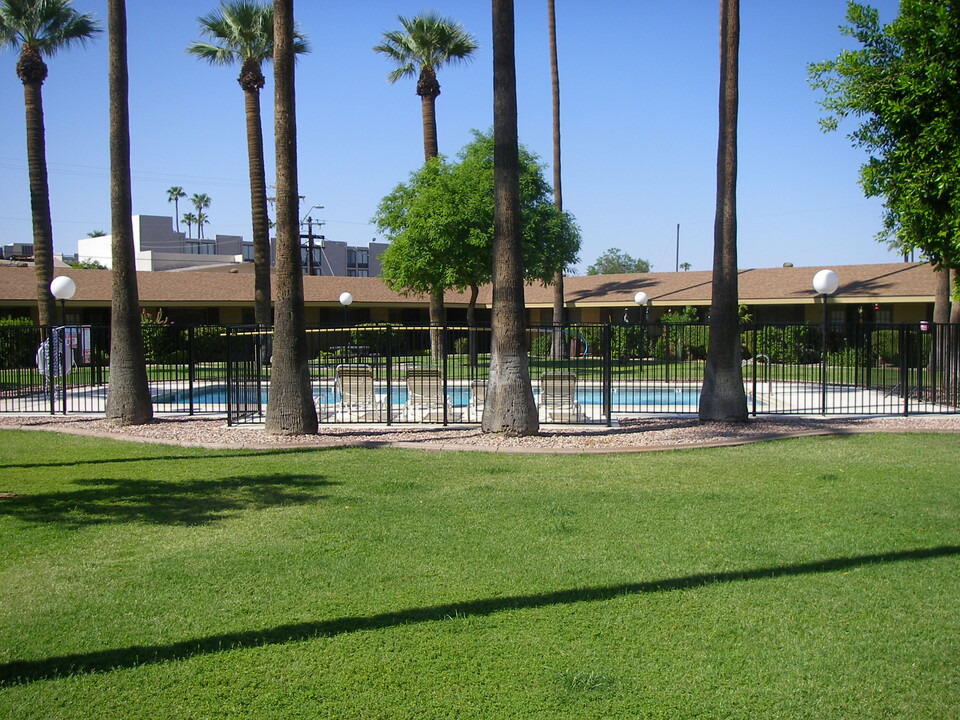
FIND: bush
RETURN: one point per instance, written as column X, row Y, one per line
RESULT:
column 787, row 344
column 18, row 346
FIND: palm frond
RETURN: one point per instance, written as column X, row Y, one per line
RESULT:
column 47, row 25
column 425, row 40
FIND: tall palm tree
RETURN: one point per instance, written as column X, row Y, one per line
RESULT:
column 40, row 28
column 190, row 219
column 510, row 408
column 559, row 346
column 128, row 395
column 173, row 195
column 241, row 32
column 290, row 408
column 201, row 201
column 424, row 45
column 723, row 397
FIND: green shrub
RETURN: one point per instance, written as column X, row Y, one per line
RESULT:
column 787, row 344
column 18, row 346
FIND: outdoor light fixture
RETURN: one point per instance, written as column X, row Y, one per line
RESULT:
column 825, row 282
column 63, row 288
column 642, row 299
column 345, row 300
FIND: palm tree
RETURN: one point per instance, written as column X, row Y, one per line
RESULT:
column 173, row 195
column 558, row 346
column 190, row 219
column 426, row 44
column 241, row 32
column 128, row 395
column 723, row 397
column 40, row 28
column 510, row 408
column 290, row 408
column 201, row 201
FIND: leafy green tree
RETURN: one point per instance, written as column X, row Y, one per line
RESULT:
column 901, row 85
column 128, row 393
column 615, row 261
column 87, row 264
column 40, row 28
column 424, row 45
column 722, row 397
column 290, row 408
column 175, row 194
column 441, row 225
column 241, row 32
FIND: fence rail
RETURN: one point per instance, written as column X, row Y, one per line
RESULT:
column 580, row 373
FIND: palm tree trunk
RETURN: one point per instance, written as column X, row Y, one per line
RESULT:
column 428, row 89
column 258, row 209
column 558, row 347
column 437, row 321
column 128, row 394
column 39, row 202
column 723, row 397
column 510, row 408
column 290, row 408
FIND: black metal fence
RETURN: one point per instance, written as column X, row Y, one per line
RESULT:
column 580, row 373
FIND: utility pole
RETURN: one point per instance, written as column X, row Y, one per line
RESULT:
column 310, row 237
column 678, row 249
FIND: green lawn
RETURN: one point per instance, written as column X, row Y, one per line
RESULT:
column 813, row 578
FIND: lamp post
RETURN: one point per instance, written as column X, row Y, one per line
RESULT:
column 345, row 299
column 825, row 283
column 641, row 299
column 62, row 288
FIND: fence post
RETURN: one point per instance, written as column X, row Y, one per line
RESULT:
column 607, row 372
column 904, row 370
column 754, row 393
column 227, row 343
column 445, row 357
column 191, row 366
column 389, row 372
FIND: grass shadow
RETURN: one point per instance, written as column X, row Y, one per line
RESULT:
column 184, row 502
column 21, row 672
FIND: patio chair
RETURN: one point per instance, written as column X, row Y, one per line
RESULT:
column 558, row 398
column 478, row 396
column 426, row 401
column 357, row 399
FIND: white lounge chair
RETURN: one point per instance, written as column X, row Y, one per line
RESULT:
column 558, row 398
column 426, row 401
column 357, row 400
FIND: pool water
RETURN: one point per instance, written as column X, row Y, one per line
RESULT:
column 459, row 396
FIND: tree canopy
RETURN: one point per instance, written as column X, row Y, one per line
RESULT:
column 440, row 223
column 615, row 261
column 901, row 84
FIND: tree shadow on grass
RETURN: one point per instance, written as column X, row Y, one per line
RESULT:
column 202, row 454
column 181, row 502
column 20, row 672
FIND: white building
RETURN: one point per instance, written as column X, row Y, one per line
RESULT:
column 157, row 246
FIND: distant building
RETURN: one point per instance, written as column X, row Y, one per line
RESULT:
column 331, row 257
column 16, row 251
column 157, row 246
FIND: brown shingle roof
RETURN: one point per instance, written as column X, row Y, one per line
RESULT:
column 904, row 282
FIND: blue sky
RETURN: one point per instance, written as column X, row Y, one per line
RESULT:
column 639, row 114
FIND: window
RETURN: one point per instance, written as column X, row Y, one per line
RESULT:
column 247, row 251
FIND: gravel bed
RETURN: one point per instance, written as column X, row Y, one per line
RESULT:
column 628, row 434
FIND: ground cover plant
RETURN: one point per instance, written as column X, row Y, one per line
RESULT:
column 812, row 578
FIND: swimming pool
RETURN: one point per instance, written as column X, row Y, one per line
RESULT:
column 621, row 399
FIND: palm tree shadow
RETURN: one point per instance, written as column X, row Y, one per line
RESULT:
column 183, row 502
column 20, row 672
